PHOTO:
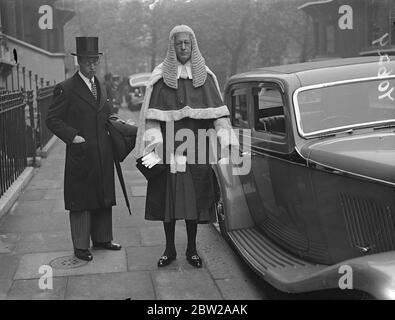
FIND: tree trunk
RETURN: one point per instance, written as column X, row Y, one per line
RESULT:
column 153, row 48
column 154, row 39
column 241, row 40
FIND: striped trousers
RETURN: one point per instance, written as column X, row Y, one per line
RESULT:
column 95, row 225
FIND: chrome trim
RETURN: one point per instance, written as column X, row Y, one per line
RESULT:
column 313, row 3
column 330, row 84
column 342, row 171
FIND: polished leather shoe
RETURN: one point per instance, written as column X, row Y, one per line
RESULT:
column 107, row 245
column 83, row 254
column 194, row 259
column 166, row 259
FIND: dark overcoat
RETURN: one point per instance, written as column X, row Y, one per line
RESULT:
column 89, row 168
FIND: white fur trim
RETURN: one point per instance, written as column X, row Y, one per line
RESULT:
column 141, row 147
column 187, row 112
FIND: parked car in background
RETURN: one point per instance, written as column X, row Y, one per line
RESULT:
column 136, row 90
column 317, row 209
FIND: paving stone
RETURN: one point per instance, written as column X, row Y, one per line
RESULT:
column 121, row 218
column 4, row 248
column 30, row 242
column 137, row 182
column 46, row 174
column 27, row 208
column 239, row 289
column 127, row 237
column 37, row 183
column 56, row 194
column 104, row 261
column 59, row 206
column 193, row 284
column 8, row 266
column 133, row 175
column 130, row 181
column 221, row 260
column 30, row 290
column 144, row 258
column 31, row 195
column 136, row 203
column 155, row 235
column 60, row 240
column 139, row 191
column 8, row 242
column 34, row 223
column 114, row 286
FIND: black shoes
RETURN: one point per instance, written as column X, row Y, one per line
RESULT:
column 194, row 259
column 166, row 259
column 83, row 254
column 107, row 245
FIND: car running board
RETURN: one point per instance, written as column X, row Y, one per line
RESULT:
column 283, row 270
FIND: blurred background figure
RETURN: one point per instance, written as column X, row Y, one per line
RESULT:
column 116, row 92
column 108, row 85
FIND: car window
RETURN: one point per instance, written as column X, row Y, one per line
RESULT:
column 348, row 105
column 268, row 109
column 239, row 108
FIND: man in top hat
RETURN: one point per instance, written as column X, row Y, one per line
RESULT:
column 78, row 116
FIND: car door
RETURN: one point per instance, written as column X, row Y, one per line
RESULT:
column 268, row 187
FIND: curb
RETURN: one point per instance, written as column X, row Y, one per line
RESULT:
column 8, row 199
column 47, row 148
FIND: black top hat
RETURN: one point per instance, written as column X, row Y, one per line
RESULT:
column 87, row 47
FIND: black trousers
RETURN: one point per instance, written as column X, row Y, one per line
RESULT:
column 95, row 224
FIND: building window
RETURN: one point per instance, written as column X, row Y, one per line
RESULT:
column 379, row 13
column 325, row 37
column 330, row 39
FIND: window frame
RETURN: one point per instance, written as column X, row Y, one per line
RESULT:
column 233, row 109
column 254, row 107
column 263, row 140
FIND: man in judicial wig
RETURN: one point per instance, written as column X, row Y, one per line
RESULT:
column 182, row 94
column 78, row 115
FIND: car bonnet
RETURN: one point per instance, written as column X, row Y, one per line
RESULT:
column 370, row 155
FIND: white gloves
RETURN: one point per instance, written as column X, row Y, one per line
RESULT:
column 150, row 159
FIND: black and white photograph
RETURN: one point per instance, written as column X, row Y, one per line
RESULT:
column 197, row 158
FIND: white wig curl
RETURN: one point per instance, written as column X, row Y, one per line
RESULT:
column 199, row 72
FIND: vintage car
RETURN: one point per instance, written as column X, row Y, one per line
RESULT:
column 136, row 90
column 316, row 210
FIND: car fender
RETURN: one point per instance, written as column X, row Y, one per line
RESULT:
column 235, row 206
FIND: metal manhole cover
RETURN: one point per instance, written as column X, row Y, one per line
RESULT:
column 69, row 262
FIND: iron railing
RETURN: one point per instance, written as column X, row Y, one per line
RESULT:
column 44, row 99
column 32, row 130
column 23, row 132
column 13, row 149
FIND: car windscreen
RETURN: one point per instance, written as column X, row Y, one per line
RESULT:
column 138, row 81
column 337, row 106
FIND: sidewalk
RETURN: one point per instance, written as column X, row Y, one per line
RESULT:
column 36, row 232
